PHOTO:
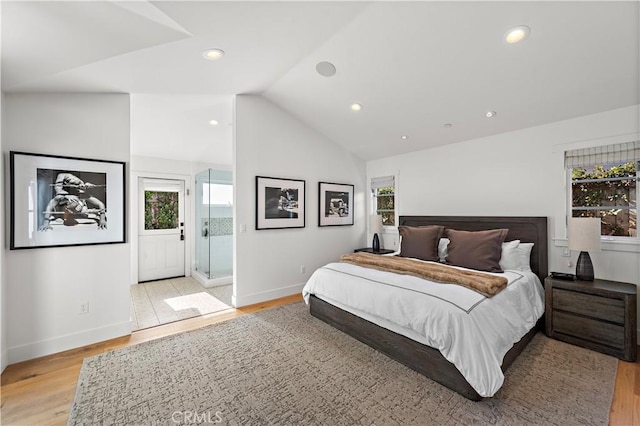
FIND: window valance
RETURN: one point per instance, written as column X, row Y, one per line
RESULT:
column 382, row 182
column 608, row 154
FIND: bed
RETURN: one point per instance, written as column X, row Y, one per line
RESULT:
column 377, row 332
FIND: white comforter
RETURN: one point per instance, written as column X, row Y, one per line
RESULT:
column 471, row 331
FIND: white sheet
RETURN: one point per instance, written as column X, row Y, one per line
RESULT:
column 471, row 331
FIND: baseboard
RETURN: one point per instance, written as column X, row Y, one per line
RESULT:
column 4, row 360
column 66, row 342
column 252, row 299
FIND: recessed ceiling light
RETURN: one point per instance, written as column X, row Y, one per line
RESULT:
column 356, row 107
column 490, row 114
column 516, row 34
column 213, row 122
column 404, row 137
column 213, row 54
column 326, row 69
column 448, row 125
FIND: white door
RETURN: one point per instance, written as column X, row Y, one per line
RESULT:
column 161, row 229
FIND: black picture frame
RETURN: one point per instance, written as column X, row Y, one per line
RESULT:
column 280, row 203
column 59, row 201
column 335, row 204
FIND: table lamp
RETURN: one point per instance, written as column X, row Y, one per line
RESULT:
column 375, row 224
column 584, row 236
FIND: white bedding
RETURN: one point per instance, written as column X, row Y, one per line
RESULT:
column 471, row 331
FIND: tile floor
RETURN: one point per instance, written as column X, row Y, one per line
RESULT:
column 161, row 302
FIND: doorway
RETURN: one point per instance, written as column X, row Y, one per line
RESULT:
column 161, row 239
column 165, row 292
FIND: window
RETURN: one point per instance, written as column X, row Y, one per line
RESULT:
column 161, row 210
column 217, row 194
column 603, row 183
column 383, row 191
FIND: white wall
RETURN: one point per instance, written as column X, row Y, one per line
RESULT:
column 45, row 286
column 270, row 142
column 517, row 173
column 4, row 356
column 172, row 167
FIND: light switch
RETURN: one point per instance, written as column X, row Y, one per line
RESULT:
column 243, row 227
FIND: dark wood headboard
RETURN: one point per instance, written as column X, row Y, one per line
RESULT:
column 525, row 229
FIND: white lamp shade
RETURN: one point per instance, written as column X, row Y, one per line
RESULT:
column 375, row 223
column 584, row 234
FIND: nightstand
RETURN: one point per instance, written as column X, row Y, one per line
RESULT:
column 598, row 315
column 370, row 250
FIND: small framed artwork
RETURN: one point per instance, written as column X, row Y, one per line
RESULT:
column 280, row 203
column 65, row 201
column 335, row 204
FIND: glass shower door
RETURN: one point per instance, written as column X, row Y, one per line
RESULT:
column 214, row 217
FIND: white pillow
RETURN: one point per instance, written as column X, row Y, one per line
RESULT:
column 442, row 248
column 510, row 258
column 524, row 252
column 399, row 249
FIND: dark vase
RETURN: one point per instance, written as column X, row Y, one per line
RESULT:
column 584, row 267
column 376, row 243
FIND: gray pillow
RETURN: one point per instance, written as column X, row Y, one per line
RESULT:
column 420, row 242
column 480, row 250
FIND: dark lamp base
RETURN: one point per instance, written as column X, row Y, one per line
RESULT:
column 584, row 267
column 376, row 243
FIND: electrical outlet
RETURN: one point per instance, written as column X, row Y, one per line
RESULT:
column 84, row 307
column 303, row 269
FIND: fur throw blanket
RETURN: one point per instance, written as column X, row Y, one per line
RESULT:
column 484, row 283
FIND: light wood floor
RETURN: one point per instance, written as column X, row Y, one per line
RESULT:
column 41, row 391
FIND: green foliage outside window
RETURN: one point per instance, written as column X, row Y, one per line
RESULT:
column 385, row 205
column 160, row 210
column 607, row 192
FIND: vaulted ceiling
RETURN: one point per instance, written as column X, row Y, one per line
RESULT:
column 413, row 66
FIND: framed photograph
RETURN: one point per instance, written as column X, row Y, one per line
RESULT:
column 64, row 201
column 280, row 203
column 335, row 204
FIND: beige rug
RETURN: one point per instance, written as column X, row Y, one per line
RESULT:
column 284, row 367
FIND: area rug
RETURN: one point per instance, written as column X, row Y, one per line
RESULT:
column 284, row 367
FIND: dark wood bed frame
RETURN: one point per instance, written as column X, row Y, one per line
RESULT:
column 424, row 359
